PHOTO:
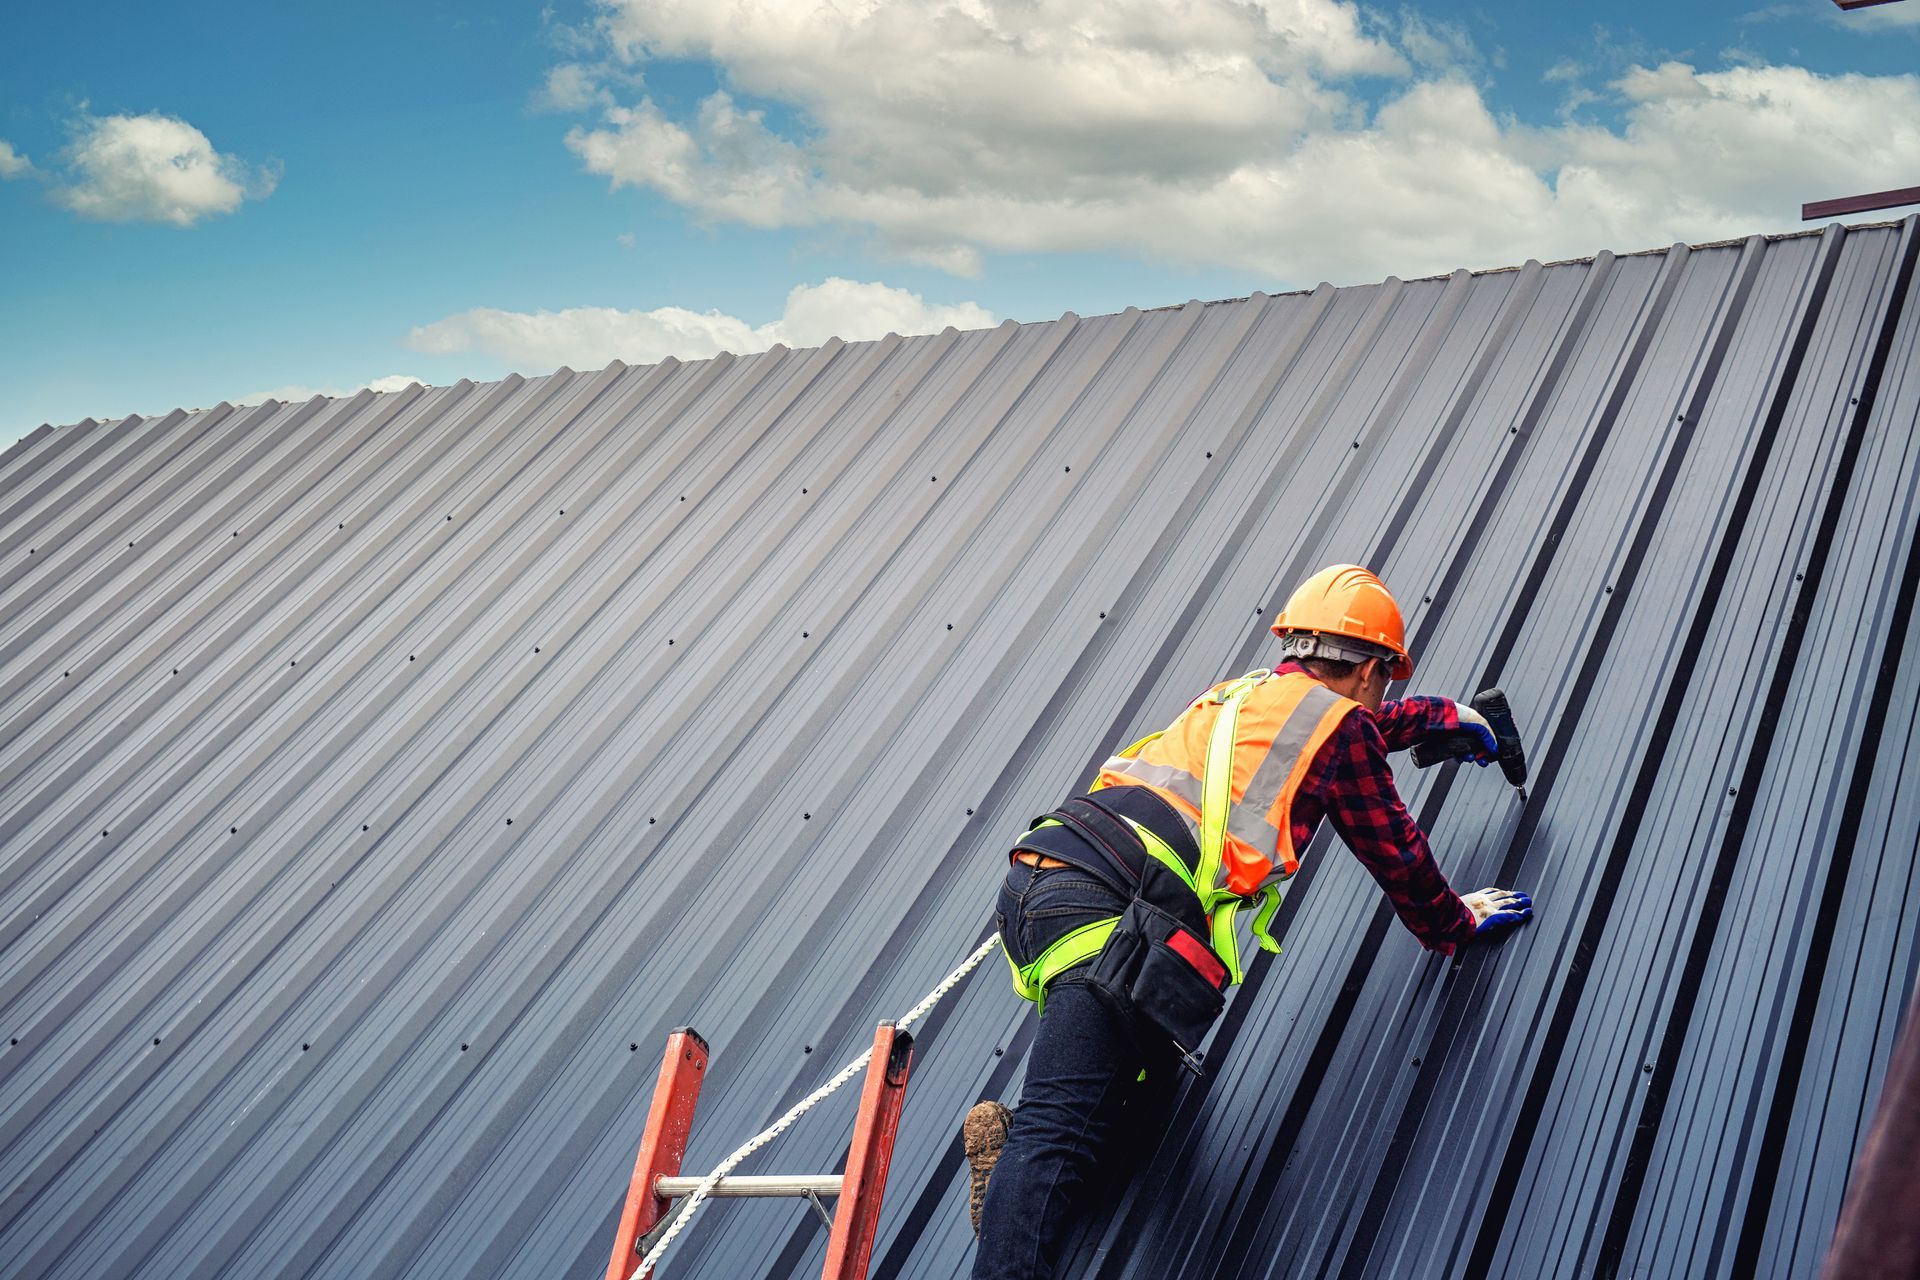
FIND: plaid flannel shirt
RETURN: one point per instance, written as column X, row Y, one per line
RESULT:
column 1351, row 783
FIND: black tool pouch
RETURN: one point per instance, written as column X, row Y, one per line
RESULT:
column 1157, row 971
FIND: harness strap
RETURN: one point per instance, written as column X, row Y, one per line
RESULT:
column 1070, row 949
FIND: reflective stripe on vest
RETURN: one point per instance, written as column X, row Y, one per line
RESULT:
column 1281, row 724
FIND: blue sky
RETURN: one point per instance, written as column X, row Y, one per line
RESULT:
column 207, row 202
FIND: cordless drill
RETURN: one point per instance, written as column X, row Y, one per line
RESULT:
column 1461, row 743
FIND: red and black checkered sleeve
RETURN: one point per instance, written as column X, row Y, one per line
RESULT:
column 1404, row 722
column 1367, row 812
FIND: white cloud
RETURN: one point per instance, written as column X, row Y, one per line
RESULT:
column 1215, row 131
column 12, row 163
column 593, row 337
column 153, row 168
column 295, row 393
column 571, row 87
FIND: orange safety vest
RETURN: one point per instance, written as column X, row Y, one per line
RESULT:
column 1284, row 720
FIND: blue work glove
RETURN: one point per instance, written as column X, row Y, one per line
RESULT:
column 1473, row 722
column 1498, row 908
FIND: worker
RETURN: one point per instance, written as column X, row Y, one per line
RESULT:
column 1307, row 740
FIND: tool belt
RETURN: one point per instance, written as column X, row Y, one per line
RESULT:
column 1152, row 964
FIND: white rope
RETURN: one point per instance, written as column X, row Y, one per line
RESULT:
column 774, row 1130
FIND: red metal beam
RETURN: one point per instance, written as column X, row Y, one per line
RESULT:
column 857, row 1216
column 1879, row 1233
column 669, row 1120
column 1860, row 204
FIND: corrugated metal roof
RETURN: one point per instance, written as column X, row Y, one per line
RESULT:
column 381, row 778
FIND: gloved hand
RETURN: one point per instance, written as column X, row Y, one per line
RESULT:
column 1497, row 908
column 1475, row 723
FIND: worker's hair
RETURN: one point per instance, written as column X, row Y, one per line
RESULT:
column 1329, row 668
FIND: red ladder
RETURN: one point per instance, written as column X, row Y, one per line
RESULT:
column 656, row 1181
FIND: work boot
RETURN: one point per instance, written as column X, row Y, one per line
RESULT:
column 983, row 1134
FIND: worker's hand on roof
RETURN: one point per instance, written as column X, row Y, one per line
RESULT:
column 1475, row 723
column 1498, row 908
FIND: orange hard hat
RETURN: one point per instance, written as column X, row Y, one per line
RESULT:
column 1345, row 612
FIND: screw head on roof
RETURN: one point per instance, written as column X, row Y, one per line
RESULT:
column 463, row 1048
column 176, row 671
column 365, row 827
column 509, row 821
column 998, row 1051
column 1428, row 600
column 806, row 816
column 669, row 639
column 1069, row 468
column 409, row 657
column 969, row 813
column 305, row 1047
column 633, row 1047
column 563, row 511
column 1356, row 444
column 156, row 1039
column 1103, row 615
column 1209, row 453
column 949, row 626
column 103, row 835
column 536, row 648
column 933, row 479
column 1513, row 431
column 129, row 544
column 233, row 831
column 683, row 497
column 651, row 821
column 803, row 491
column 1647, row 1067
column 449, row 517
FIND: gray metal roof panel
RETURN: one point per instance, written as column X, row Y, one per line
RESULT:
column 765, row 656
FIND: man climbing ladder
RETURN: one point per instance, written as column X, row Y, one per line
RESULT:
column 1119, row 909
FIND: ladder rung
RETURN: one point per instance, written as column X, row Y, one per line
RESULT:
column 821, row 1184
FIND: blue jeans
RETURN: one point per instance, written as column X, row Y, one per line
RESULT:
column 1086, row 1104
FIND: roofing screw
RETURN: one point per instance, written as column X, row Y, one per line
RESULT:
column 933, row 479
column 1429, row 600
column 1647, row 1067
column 1799, row 577
column 808, row 1049
column 633, row 1048
column 103, row 835
column 463, row 1048
column 1854, row 400
column 651, row 821
column 536, row 648
column 1103, row 615
column 1069, row 468
column 156, row 1039
column 409, row 657
column 129, row 544
column 1733, row 791
column 806, row 816
column 669, row 639
column 998, row 1051
column 1416, row 1062
column 364, row 827
column 236, row 533
column 1209, row 453
column 305, row 1047
column 1356, row 444
column 509, row 821
column 343, row 526
column 803, row 491
column 969, row 813
column 1609, row 590
column 233, row 831
column 294, row 662
column 805, row 634
column 1513, row 431
column 449, row 517
column 65, row 674
column 563, row 511
column 176, row 671
column 949, row 626
column 15, row 1040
